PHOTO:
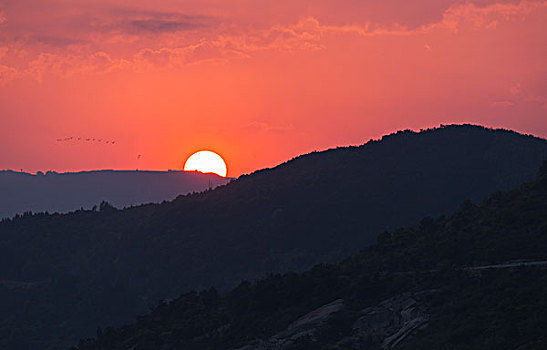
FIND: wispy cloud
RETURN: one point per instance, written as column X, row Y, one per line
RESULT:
column 453, row 19
column 515, row 89
column 173, row 39
column 3, row 51
column 505, row 103
column 259, row 126
column 486, row 16
column 57, row 41
column 308, row 33
column 7, row 74
column 149, row 22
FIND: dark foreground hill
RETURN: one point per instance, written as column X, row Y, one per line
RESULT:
column 63, row 275
column 64, row 192
column 444, row 284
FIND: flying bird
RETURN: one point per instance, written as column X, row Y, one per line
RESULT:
column 89, row 139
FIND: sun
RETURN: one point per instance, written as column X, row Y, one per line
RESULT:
column 206, row 162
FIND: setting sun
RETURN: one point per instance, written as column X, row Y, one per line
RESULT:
column 206, row 162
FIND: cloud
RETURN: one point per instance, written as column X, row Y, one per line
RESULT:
column 98, row 25
column 167, row 57
column 258, row 126
column 304, row 35
column 453, row 19
column 537, row 100
column 133, row 22
column 3, row 17
column 151, row 40
column 3, row 51
column 161, row 26
column 7, row 74
column 515, row 89
column 69, row 65
column 485, row 17
column 505, row 103
column 308, row 33
column 57, row 41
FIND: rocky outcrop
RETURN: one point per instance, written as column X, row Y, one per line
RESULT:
column 302, row 327
column 387, row 324
column 307, row 324
column 382, row 326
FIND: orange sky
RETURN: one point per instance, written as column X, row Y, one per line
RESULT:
column 257, row 81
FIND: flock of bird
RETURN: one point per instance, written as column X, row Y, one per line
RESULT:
column 81, row 139
column 89, row 139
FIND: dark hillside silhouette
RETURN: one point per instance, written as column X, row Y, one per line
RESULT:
column 63, row 275
column 64, row 192
column 449, row 274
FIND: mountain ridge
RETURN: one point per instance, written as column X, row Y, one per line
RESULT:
column 112, row 264
column 417, row 287
column 65, row 192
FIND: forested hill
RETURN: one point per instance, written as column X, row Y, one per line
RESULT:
column 422, row 287
column 63, row 275
column 64, row 192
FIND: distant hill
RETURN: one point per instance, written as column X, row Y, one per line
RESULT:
column 64, row 192
column 442, row 284
column 63, row 275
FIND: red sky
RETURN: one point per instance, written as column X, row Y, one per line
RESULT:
column 257, row 81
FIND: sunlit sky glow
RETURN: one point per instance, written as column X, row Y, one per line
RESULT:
column 259, row 81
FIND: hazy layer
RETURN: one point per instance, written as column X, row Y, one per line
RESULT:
column 52, row 192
